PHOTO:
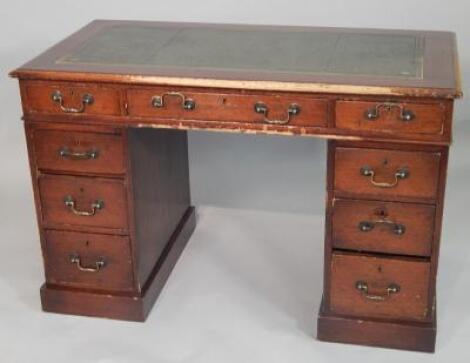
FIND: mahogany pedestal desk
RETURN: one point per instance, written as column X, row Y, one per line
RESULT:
column 106, row 115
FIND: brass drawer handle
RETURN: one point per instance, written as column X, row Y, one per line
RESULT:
column 401, row 173
column 75, row 259
column 87, row 99
column 186, row 103
column 292, row 110
column 66, row 153
column 396, row 228
column 364, row 289
column 374, row 113
column 95, row 206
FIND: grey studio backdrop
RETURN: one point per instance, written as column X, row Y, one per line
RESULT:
column 276, row 176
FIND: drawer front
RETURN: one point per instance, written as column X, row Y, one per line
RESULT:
column 83, row 201
column 379, row 287
column 88, row 260
column 386, row 173
column 79, row 152
column 71, row 99
column 410, row 118
column 289, row 110
column 399, row 228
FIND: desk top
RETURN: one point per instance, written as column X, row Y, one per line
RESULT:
column 329, row 60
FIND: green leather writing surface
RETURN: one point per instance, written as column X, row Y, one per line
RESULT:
column 308, row 51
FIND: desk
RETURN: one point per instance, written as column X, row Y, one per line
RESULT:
column 106, row 116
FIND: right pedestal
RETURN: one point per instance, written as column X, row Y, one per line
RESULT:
column 383, row 225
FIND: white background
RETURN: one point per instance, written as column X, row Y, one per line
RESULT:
column 248, row 286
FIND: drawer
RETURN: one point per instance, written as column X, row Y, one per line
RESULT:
column 83, row 201
column 379, row 287
column 399, row 228
column 402, row 117
column 82, row 152
column 289, row 110
column 382, row 173
column 87, row 260
column 71, row 99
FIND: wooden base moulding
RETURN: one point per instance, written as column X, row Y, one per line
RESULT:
column 373, row 332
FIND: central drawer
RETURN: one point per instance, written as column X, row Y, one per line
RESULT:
column 83, row 201
column 379, row 287
column 288, row 110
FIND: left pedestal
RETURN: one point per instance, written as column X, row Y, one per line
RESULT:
column 114, row 215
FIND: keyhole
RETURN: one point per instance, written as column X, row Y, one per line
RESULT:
column 82, row 190
column 385, row 162
column 379, row 268
column 87, row 243
column 381, row 212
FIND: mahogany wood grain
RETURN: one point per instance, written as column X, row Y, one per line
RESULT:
column 114, row 251
column 420, row 184
column 241, row 118
column 417, row 221
column 135, row 306
column 411, row 302
column 108, row 148
column 38, row 98
column 142, row 169
column 418, row 336
column 227, row 107
column 85, row 191
column 160, row 191
column 391, row 331
column 429, row 118
column 438, row 223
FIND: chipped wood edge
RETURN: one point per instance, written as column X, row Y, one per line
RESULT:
column 458, row 72
column 303, row 132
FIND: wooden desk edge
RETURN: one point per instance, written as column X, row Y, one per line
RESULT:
column 304, row 87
